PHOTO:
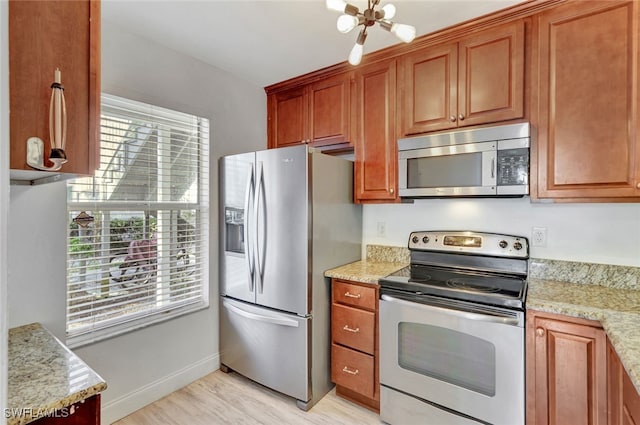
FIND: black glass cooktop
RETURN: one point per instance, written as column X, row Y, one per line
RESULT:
column 477, row 286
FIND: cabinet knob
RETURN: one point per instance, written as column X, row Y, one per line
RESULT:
column 638, row 186
column 452, row 118
column 461, row 117
column 540, row 331
column 391, row 190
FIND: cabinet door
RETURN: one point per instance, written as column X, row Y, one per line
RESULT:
column 43, row 36
column 630, row 402
column 491, row 75
column 567, row 372
column 288, row 117
column 330, row 111
column 588, row 100
column 376, row 153
column 428, row 86
column 623, row 398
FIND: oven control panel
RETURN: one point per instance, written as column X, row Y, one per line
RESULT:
column 470, row 243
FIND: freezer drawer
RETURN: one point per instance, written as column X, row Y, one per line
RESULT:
column 267, row 346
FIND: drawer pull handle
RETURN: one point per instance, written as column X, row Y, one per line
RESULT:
column 349, row 371
column 350, row 295
column 347, row 328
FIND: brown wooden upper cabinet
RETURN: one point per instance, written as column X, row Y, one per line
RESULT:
column 376, row 153
column 43, row 36
column 478, row 79
column 586, row 107
column 318, row 113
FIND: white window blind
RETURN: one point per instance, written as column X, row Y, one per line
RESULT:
column 141, row 252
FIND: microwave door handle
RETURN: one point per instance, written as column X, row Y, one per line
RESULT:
column 248, row 231
column 478, row 317
column 493, row 168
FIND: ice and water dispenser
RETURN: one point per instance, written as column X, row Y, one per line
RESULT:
column 234, row 223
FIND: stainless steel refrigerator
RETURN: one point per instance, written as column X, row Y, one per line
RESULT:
column 286, row 217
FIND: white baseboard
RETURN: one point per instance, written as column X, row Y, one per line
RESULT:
column 129, row 403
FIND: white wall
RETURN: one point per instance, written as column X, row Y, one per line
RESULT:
column 146, row 364
column 4, row 198
column 594, row 233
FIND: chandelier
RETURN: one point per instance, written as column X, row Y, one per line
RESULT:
column 352, row 17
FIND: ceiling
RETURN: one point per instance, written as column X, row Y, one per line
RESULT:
column 268, row 41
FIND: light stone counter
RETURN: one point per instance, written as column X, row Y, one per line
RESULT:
column 380, row 261
column 366, row 271
column 44, row 375
column 608, row 294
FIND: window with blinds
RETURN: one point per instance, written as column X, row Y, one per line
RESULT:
column 137, row 248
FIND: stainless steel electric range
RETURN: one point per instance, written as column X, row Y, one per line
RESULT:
column 452, row 331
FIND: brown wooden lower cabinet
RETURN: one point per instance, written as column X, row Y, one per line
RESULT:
column 354, row 342
column 86, row 412
column 566, row 370
column 623, row 399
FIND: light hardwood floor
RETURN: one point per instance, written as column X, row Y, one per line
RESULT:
column 221, row 398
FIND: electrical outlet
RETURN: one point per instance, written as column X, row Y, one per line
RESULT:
column 381, row 229
column 539, row 236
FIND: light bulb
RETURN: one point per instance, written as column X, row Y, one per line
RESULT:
column 389, row 11
column 346, row 23
column 337, row 5
column 356, row 54
column 404, row 32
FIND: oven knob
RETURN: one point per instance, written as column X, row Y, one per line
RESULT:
column 425, row 239
column 415, row 239
column 503, row 244
column 517, row 246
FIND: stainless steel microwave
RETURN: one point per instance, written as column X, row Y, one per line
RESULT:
column 488, row 161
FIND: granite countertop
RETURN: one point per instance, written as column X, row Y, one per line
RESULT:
column 365, row 271
column 380, row 261
column 617, row 309
column 44, row 375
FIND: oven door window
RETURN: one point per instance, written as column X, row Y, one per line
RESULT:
column 447, row 355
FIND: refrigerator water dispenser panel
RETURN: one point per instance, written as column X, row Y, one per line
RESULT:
column 234, row 222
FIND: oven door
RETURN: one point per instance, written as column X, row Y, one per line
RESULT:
column 449, row 364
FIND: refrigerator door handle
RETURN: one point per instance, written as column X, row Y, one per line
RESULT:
column 248, row 234
column 260, row 215
column 282, row 321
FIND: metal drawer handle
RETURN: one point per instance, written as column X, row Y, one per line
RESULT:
column 350, row 372
column 347, row 328
column 350, row 295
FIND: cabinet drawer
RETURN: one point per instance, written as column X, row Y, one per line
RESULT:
column 353, row 327
column 354, row 295
column 352, row 369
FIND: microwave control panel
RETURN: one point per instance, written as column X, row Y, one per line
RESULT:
column 513, row 167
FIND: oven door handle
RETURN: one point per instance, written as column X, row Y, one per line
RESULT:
column 457, row 313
